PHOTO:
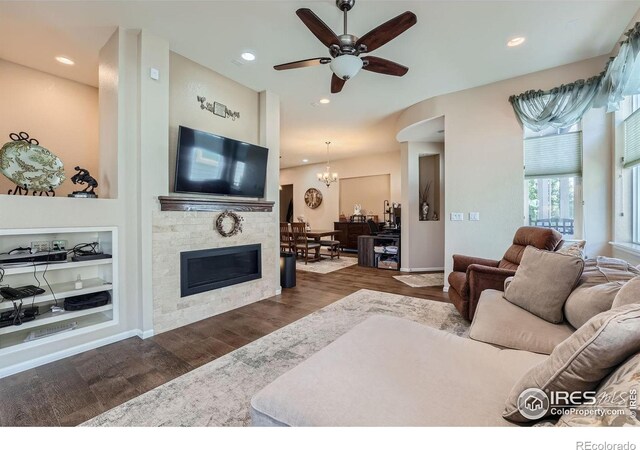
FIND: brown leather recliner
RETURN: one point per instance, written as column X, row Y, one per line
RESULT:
column 472, row 275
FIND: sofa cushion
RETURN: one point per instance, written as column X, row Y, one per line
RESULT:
column 612, row 395
column 388, row 371
column 543, row 282
column 584, row 359
column 502, row 323
column 602, row 269
column 628, row 294
column 588, row 301
column 458, row 280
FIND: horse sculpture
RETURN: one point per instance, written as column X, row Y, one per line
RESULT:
column 84, row 177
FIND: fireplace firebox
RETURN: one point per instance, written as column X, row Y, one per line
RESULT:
column 206, row 270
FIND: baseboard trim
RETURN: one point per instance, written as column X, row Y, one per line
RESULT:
column 145, row 334
column 445, row 289
column 278, row 291
column 421, row 269
column 21, row 367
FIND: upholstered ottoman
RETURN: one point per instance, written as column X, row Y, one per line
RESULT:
column 388, row 371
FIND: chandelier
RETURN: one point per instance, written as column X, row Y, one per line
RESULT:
column 327, row 177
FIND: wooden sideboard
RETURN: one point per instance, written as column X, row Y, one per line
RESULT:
column 349, row 233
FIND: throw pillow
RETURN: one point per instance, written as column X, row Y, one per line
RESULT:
column 587, row 301
column 543, row 282
column 584, row 359
column 628, row 294
column 601, row 269
column 574, row 249
column 613, row 395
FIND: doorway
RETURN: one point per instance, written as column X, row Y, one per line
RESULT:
column 286, row 203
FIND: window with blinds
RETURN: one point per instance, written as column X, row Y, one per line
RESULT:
column 554, row 156
column 632, row 140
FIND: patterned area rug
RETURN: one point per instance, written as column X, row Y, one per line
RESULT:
column 218, row 393
column 326, row 265
column 422, row 280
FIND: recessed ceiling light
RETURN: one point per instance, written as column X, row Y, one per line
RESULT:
column 325, row 101
column 248, row 56
column 64, row 60
column 515, row 41
column 305, row 160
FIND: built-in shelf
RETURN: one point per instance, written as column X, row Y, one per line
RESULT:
column 100, row 275
column 60, row 291
column 51, row 317
column 204, row 204
column 41, row 267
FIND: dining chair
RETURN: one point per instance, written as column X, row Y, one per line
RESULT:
column 333, row 246
column 286, row 240
column 300, row 241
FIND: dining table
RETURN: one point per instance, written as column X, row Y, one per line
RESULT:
column 317, row 235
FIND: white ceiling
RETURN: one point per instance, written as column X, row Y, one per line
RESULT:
column 455, row 45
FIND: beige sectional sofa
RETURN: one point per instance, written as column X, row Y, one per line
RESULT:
column 388, row 371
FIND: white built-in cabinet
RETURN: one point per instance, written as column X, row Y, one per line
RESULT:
column 97, row 275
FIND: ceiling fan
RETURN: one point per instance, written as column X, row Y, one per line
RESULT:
column 345, row 50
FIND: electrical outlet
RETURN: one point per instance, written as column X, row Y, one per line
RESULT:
column 456, row 216
column 60, row 244
column 474, row 216
column 40, row 246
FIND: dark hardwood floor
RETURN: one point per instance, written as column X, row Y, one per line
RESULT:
column 75, row 389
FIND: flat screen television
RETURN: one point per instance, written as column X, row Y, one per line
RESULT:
column 210, row 164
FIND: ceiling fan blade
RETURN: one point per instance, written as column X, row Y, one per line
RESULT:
column 320, row 29
column 389, row 30
column 303, row 63
column 336, row 84
column 384, row 66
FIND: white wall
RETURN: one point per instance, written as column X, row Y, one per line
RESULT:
column 190, row 80
column 61, row 114
column 153, row 177
column 484, row 160
column 369, row 192
column 597, row 182
column 422, row 243
column 304, row 177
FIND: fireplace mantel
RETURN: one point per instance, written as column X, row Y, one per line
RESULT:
column 184, row 203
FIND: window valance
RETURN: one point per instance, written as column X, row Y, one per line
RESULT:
column 564, row 106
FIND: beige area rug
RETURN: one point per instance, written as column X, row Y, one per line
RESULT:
column 422, row 280
column 219, row 393
column 326, row 264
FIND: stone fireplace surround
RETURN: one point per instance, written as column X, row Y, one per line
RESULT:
column 178, row 231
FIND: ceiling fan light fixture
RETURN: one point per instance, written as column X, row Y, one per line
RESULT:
column 346, row 66
column 516, row 41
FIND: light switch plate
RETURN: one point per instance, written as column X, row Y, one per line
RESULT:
column 154, row 74
column 456, row 216
column 474, row 216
